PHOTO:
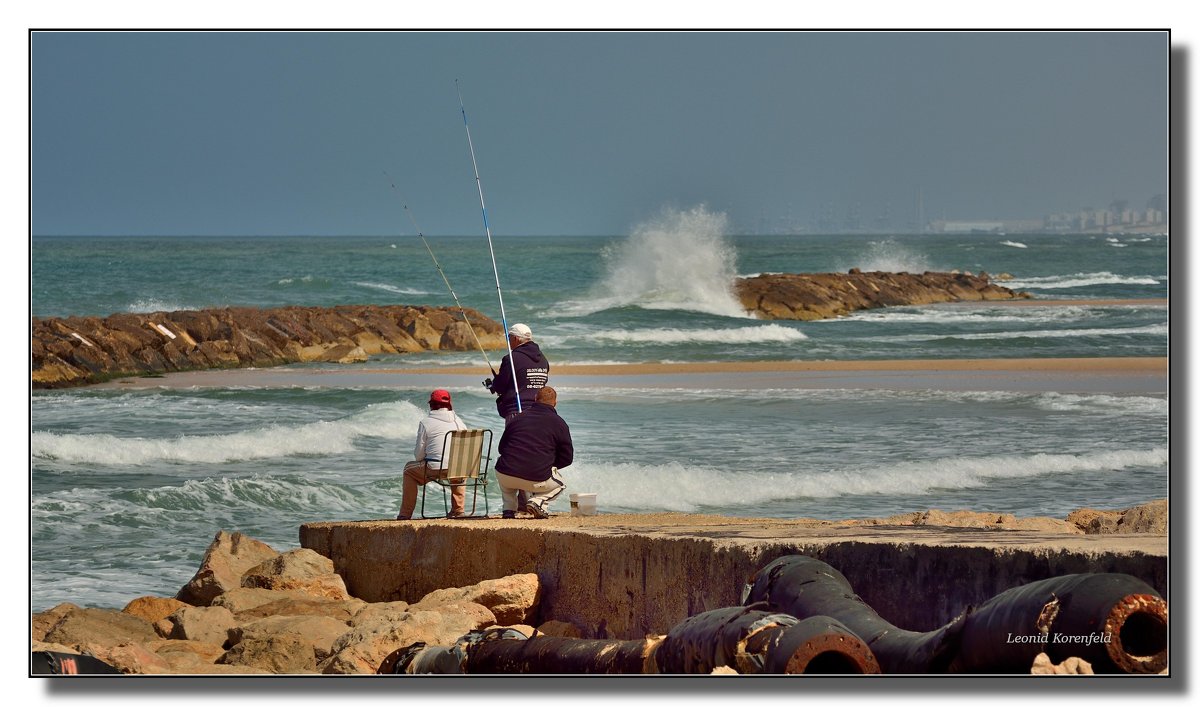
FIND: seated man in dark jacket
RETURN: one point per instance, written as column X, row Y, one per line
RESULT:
column 534, row 446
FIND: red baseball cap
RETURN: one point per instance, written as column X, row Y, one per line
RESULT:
column 439, row 396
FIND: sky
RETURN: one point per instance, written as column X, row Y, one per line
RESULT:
column 585, row 132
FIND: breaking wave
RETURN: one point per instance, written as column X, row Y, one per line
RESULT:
column 771, row 333
column 679, row 260
column 889, row 256
column 1054, row 282
column 640, row 487
column 396, row 420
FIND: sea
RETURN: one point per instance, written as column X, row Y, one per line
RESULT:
column 129, row 486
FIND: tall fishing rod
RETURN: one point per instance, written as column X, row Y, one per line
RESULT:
column 438, row 265
column 499, row 295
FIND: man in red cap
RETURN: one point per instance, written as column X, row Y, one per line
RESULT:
column 427, row 465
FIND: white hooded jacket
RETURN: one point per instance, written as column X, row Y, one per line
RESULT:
column 431, row 435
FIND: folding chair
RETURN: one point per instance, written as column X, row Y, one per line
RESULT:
column 467, row 460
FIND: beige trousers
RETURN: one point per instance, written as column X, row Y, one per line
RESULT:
column 418, row 474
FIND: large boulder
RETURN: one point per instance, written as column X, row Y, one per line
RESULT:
column 225, row 561
column 134, row 658
column 45, row 620
column 85, row 629
column 244, row 599
column 363, row 647
column 342, row 611
column 300, row 569
column 320, row 632
column 281, row 654
column 177, row 650
column 513, row 599
column 209, row 624
column 152, row 608
column 1152, row 517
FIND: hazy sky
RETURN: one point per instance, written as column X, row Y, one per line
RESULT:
column 584, row 133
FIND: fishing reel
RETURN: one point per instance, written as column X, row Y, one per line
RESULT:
column 487, row 383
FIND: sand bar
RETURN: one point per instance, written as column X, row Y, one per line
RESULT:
column 1134, row 375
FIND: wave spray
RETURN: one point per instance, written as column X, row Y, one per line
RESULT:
column 676, row 260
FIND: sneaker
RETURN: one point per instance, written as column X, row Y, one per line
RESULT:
column 455, row 514
column 536, row 511
column 403, row 517
column 509, row 515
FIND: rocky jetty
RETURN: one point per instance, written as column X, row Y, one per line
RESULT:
column 828, row 295
column 82, row 350
column 76, row 351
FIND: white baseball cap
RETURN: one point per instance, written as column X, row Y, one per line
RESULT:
column 520, row 331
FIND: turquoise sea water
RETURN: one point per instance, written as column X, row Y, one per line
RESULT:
column 129, row 486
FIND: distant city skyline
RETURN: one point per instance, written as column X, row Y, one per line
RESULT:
column 916, row 217
column 281, row 133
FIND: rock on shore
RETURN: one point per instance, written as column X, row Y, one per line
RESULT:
column 252, row 609
column 288, row 614
column 82, row 350
column 828, row 295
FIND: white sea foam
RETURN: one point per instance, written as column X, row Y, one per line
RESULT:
column 1119, row 245
column 679, row 260
column 257, row 491
column 1149, row 330
column 292, row 280
column 1013, row 244
column 396, row 420
column 688, row 487
column 889, row 256
column 1054, row 282
column 769, row 333
column 392, row 288
column 1124, row 404
column 982, row 315
column 151, row 304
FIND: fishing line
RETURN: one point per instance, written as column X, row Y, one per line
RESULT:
column 438, row 265
column 488, row 230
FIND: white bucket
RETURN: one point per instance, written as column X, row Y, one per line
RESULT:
column 583, row 504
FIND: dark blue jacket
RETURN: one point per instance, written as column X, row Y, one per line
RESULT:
column 533, row 370
column 533, row 442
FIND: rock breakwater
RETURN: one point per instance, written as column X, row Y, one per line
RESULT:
column 76, row 351
column 827, row 295
column 82, row 350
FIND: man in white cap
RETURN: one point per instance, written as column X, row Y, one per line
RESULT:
column 533, row 371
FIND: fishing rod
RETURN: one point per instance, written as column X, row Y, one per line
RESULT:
column 438, row 265
column 499, row 295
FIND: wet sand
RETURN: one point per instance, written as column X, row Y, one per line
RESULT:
column 1144, row 375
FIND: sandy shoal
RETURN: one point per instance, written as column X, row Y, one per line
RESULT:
column 1147, row 364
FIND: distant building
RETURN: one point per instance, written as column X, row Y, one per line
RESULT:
column 967, row 227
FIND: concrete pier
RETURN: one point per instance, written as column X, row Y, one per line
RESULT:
column 626, row 576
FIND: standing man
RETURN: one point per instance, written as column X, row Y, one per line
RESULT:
column 534, row 446
column 428, row 464
column 533, row 371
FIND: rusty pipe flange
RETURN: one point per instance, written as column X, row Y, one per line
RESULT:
column 832, row 655
column 1137, row 632
column 820, row 645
